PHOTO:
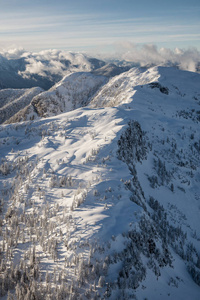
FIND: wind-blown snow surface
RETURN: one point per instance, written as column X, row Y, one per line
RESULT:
column 104, row 201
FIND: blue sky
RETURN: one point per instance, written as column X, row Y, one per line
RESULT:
column 98, row 25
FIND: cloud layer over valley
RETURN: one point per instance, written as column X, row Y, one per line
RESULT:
column 57, row 62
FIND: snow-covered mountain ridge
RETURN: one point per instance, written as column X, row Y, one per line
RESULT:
column 73, row 91
column 102, row 202
column 84, row 88
column 122, row 88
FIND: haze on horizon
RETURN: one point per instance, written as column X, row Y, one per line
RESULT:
column 99, row 26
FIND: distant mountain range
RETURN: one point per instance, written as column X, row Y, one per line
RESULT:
column 33, row 71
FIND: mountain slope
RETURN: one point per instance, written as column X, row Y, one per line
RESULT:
column 73, row 91
column 103, row 202
column 12, row 101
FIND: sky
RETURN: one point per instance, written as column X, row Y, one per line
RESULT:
column 99, row 25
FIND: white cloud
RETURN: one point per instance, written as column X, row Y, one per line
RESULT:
column 48, row 61
column 51, row 61
column 148, row 54
column 13, row 53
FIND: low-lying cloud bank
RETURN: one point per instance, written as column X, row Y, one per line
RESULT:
column 148, row 54
column 47, row 62
column 56, row 61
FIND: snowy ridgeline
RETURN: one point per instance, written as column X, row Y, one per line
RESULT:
column 103, row 202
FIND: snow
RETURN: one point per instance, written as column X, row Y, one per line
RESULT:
column 92, row 209
column 11, row 101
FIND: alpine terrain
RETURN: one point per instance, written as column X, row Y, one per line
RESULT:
column 100, row 184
